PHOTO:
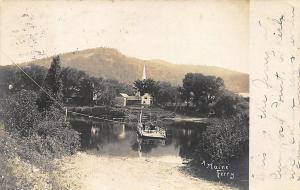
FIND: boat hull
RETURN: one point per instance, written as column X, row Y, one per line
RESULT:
column 150, row 133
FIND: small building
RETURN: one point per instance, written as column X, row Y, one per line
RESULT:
column 244, row 95
column 126, row 100
column 146, row 99
column 133, row 100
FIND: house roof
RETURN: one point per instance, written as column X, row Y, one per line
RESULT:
column 147, row 94
column 133, row 98
column 244, row 95
column 124, row 95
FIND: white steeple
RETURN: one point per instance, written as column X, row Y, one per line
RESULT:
column 144, row 77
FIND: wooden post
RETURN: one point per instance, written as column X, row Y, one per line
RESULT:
column 66, row 114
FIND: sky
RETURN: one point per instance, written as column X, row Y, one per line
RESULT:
column 213, row 33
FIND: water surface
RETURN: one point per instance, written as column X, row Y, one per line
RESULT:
column 117, row 139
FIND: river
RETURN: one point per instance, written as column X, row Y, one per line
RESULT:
column 117, row 139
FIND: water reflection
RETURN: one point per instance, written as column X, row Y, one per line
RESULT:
column 145, row 145
column 121, row 140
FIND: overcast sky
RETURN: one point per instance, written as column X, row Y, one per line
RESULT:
column 186, row 32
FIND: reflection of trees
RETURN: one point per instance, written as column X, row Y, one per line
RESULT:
column 187, row 139
column 185, row 136
column 146, row 144
column 169, row 139
column 83, row 127
column 97, row 134
column 107, row 133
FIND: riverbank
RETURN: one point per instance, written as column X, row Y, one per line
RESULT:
column 131, row 114
column 29, row 174
column 127, row 114
column 183, row 118
column 105, row 172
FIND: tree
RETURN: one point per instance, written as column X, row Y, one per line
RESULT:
column 201, row 90
column 147, row 86
column 107, row 90
column 12, row 75
column 52, row 84
column 167, row 93
column 226, row 104
column 86, row 89
column 37, row 73
column 71, row 82
column 80, row 88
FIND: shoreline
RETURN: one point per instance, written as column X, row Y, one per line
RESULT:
column 183, row 118
column 131, row 114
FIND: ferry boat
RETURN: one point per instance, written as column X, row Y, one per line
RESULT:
column 150, row 130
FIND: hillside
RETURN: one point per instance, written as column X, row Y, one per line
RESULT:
column 110, row 63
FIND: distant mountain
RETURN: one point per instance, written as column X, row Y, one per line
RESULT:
column 110, row 63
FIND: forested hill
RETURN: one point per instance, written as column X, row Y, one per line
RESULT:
column 110, row 63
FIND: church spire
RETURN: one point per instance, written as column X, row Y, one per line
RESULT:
column 144, row 77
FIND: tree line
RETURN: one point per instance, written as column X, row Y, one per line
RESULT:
column 199, row 93
column 68, row 85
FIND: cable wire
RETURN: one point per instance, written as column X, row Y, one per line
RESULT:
column 61, row 106
column 33, row 80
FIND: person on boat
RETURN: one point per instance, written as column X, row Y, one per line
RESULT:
column 144, row 127
column 152, row 127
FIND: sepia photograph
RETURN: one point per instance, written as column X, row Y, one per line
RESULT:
column 124, row 95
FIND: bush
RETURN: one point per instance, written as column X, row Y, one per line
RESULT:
column 56, row 135
column 41, row 136
column 6, row 146
column 20, row 112
column 229, row 104
column 226, row 138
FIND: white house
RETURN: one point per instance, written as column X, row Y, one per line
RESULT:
column 244, row 95
column 146, row 99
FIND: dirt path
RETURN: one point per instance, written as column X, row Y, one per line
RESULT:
column 111, row 173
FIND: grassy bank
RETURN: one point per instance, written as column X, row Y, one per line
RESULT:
column 31, row 141
column 19, row 173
